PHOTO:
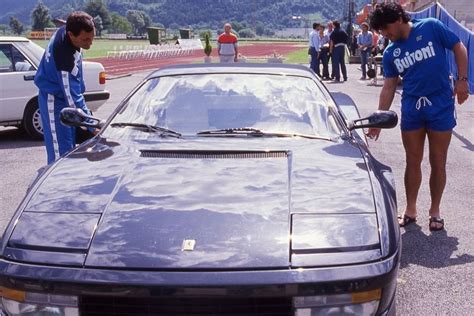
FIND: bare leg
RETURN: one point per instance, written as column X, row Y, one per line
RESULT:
column 438, row 144
column 414, row 142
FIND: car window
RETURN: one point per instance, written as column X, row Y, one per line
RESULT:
column 6, row 60
column 20, row 62
column 12, row 60
column 32, row 50
column 192, row 103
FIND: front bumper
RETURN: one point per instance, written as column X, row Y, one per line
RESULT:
column 284, row 284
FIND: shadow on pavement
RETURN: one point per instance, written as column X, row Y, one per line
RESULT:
column 16, row 138
column 432, row 251
column 464, row 140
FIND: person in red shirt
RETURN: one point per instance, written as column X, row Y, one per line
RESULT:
column 375, row 40
column 227, row 45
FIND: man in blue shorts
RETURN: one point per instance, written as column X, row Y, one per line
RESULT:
column 418, row 55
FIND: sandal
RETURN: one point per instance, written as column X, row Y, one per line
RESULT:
column 437, row 220
column 405, row 220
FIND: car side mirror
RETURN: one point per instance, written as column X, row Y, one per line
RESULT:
column 378, row 119
column 77, row 117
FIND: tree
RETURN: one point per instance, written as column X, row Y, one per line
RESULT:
column 237, row 26
column 207, row 47
column 40, row 17
column 173, row 26
column 98, row 8
column 119, row 24
column 260, row 28
column 98, row 25
column 139, row 20
column 203, row 34
column 247, row 33
column 3, row 28
column 64, row 11
column 16, row 25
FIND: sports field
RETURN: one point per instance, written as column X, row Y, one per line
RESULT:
column 293, row 52
column 255, row 52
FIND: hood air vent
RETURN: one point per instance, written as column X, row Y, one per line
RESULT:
column 212, row 154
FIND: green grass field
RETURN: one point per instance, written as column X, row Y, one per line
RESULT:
column 102, row 46
column 298, row 57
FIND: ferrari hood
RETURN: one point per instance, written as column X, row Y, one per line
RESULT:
column 210, row 207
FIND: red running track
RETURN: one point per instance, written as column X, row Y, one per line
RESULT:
column 115, row 66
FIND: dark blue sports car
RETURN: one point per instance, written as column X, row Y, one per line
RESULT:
column 241, row 189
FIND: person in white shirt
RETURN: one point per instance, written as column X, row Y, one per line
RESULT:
column 330, row 28
column 324, row 52
column 314, row 48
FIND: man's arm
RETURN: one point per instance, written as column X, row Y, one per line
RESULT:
column 387, row 93
column 385, row 101
column 331, row 44
column 461, row 87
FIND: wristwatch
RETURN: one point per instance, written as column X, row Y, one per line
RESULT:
column 462, row 78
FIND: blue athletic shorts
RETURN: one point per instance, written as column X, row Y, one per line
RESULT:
column 435, row 112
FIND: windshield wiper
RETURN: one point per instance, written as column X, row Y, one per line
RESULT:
column 254, row 132
column 149, row 128
column 232, row 131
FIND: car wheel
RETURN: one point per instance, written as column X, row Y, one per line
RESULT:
column 32, row 121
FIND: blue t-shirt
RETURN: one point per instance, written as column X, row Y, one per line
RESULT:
column 421, row 58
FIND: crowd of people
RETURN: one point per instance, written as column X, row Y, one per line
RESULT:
column 328, row 43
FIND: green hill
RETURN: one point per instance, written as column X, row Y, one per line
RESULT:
column 271, row 14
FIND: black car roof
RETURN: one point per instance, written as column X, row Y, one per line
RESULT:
column 281, row 69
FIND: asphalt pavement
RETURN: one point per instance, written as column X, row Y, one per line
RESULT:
column 436, row 275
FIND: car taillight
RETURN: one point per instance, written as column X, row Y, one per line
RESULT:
column 102, row 76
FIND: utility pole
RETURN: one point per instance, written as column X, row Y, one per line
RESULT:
column 253, row 16
column 351, row 14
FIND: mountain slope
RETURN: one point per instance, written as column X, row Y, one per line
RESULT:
column 201, row 14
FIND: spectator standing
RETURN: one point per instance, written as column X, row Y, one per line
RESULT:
column 227, row 45
column 364, row 42
column 324, row 52
column 330, row 29
column 428, row 109
column 339, row 40
column 60, row 81
column 314, row 48
column 354, row 40
column 382, row 44
column 375, row 41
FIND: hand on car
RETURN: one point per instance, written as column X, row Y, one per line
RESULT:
column 373, row 133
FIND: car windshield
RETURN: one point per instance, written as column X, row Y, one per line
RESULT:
column 190, row 104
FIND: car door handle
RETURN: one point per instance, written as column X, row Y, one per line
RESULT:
column 29, row 77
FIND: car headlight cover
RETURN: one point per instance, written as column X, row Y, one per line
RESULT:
column 358, row 303
column 15, row 302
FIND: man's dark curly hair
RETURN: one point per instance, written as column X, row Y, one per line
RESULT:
column 79, row 21
column 387, row 13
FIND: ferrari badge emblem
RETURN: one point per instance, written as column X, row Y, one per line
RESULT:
column 188, row 245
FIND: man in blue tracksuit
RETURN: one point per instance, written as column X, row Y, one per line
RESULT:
column 60, row 82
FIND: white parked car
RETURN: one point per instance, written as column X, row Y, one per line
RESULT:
column 19, row 60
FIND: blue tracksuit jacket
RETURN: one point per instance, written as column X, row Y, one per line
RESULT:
column 60, row 82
